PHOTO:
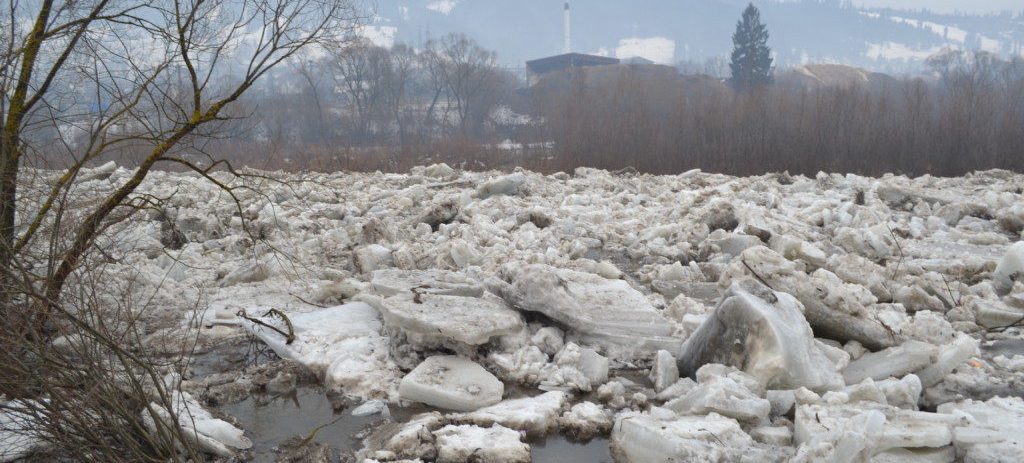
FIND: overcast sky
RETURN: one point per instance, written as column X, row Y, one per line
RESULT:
column 948, row 6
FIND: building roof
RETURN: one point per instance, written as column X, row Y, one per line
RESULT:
column 568, row 60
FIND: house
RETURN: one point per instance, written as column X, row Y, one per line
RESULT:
column 540, row 67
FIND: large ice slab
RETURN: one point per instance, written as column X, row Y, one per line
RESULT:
column 711, row 438
column 436, row 319
column 665, row 371
column 343, row 343
column 856, row 431
column 892, row 362
column 451, row 383
column 536, row 416
column 1010, row 268
column 392, row 282
column 512, row 184
column 724, row 396
column 950, row 356
column 993, row 432
column 597, row 308
column 929, row 362
column 766, row 335
column 833, row 310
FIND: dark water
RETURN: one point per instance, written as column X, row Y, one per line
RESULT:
column 558, row 449
column 269, row 422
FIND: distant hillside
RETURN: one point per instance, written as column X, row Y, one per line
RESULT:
column 832, row 75
column 671, row 31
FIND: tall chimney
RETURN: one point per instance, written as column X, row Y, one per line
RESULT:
column 568, row 30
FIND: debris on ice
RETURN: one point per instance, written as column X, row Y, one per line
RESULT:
column 342, row 343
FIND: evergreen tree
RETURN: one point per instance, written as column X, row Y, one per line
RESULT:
column 751, row 63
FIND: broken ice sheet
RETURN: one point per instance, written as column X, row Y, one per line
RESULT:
column 608, row 312
column 451, row 383
column 463, row 443
column 644, row 240
column 342, row 343
column 763, row 332
column 537, row 416
column 434, row 319
column 647, row 439
column 210, row 434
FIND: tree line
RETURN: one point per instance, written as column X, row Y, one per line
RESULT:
column 394, row 108
column 970, row 117
column 360, row 106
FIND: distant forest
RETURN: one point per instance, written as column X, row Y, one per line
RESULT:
column 372, row 108
column 357, row 105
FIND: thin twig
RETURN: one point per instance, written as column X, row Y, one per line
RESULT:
column 289, row 336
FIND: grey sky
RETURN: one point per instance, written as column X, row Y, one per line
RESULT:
column 948, row 6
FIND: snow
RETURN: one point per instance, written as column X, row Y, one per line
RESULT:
column 211, row 434
column 661, row 50
column 899, row 51
column 585, row 420
column 463, row 443
column 949, row 32
column 17, row 439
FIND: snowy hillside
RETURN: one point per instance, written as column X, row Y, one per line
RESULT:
column 669, row 31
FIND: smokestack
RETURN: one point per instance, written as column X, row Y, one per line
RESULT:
column 568, row 30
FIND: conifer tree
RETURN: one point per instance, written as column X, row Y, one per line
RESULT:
column 751, row 63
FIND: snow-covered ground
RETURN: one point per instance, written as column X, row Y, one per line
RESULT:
column 696, row 317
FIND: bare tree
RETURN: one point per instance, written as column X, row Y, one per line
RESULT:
column 80, row 82
column 400, row 76
column 312, row 74
column 161, row 74
column 363, row 68
column 469, row 72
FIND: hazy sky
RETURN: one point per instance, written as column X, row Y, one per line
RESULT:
column 972, row 6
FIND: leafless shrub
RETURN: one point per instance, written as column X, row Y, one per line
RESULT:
column 81, row 82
